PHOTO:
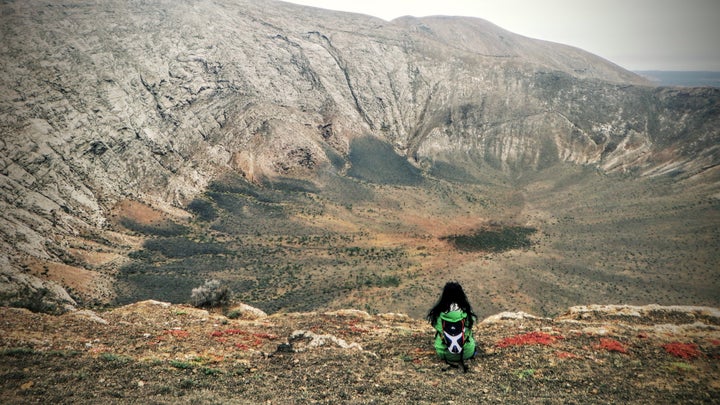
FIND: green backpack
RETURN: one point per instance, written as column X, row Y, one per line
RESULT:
column 454, row 341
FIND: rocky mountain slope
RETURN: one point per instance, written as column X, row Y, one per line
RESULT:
column 116, row 113
column 161, row 353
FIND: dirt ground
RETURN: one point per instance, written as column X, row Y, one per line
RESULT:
column 160, row 353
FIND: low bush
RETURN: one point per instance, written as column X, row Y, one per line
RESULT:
column 17, row 351
column 115, row 358
column 36, row 300
column 182, row 365
column 211, row 294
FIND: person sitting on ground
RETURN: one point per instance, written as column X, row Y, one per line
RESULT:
column 453, row 319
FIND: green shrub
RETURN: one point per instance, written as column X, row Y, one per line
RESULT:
column 210, row 371
column 187, row 384
column 183, row 365
column 114, row 358
column 36, row 300
column 389, row 281
column 17, row 351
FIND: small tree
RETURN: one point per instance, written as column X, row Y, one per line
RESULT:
column 211, row 294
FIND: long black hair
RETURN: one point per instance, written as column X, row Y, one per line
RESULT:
column 452, row 293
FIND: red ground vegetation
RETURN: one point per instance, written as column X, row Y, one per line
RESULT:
column 682, row 350
column 177, row 333
column 566, row 355
column 532, row 338
column 611, row 345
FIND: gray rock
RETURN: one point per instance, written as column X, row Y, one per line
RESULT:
column 152, row 100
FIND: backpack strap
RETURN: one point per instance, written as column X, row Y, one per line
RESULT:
column 454, row 342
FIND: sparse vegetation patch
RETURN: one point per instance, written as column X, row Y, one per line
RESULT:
column 164, row 228
column 493, row 240
column 183, row 247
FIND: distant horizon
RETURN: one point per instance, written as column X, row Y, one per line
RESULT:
column 682, row 78
column 675, row 35
column 674, row 70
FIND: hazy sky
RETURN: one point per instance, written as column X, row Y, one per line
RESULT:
column 635, row 34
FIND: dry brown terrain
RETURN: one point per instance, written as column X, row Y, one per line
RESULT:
column 160, row 353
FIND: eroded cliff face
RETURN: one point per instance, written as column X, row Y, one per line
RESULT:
column 152, row 100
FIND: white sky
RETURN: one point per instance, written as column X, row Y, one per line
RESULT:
column 635, row 34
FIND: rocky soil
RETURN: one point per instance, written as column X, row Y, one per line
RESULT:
column 160, row 353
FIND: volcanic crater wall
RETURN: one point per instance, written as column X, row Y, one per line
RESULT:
column 151, row 100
